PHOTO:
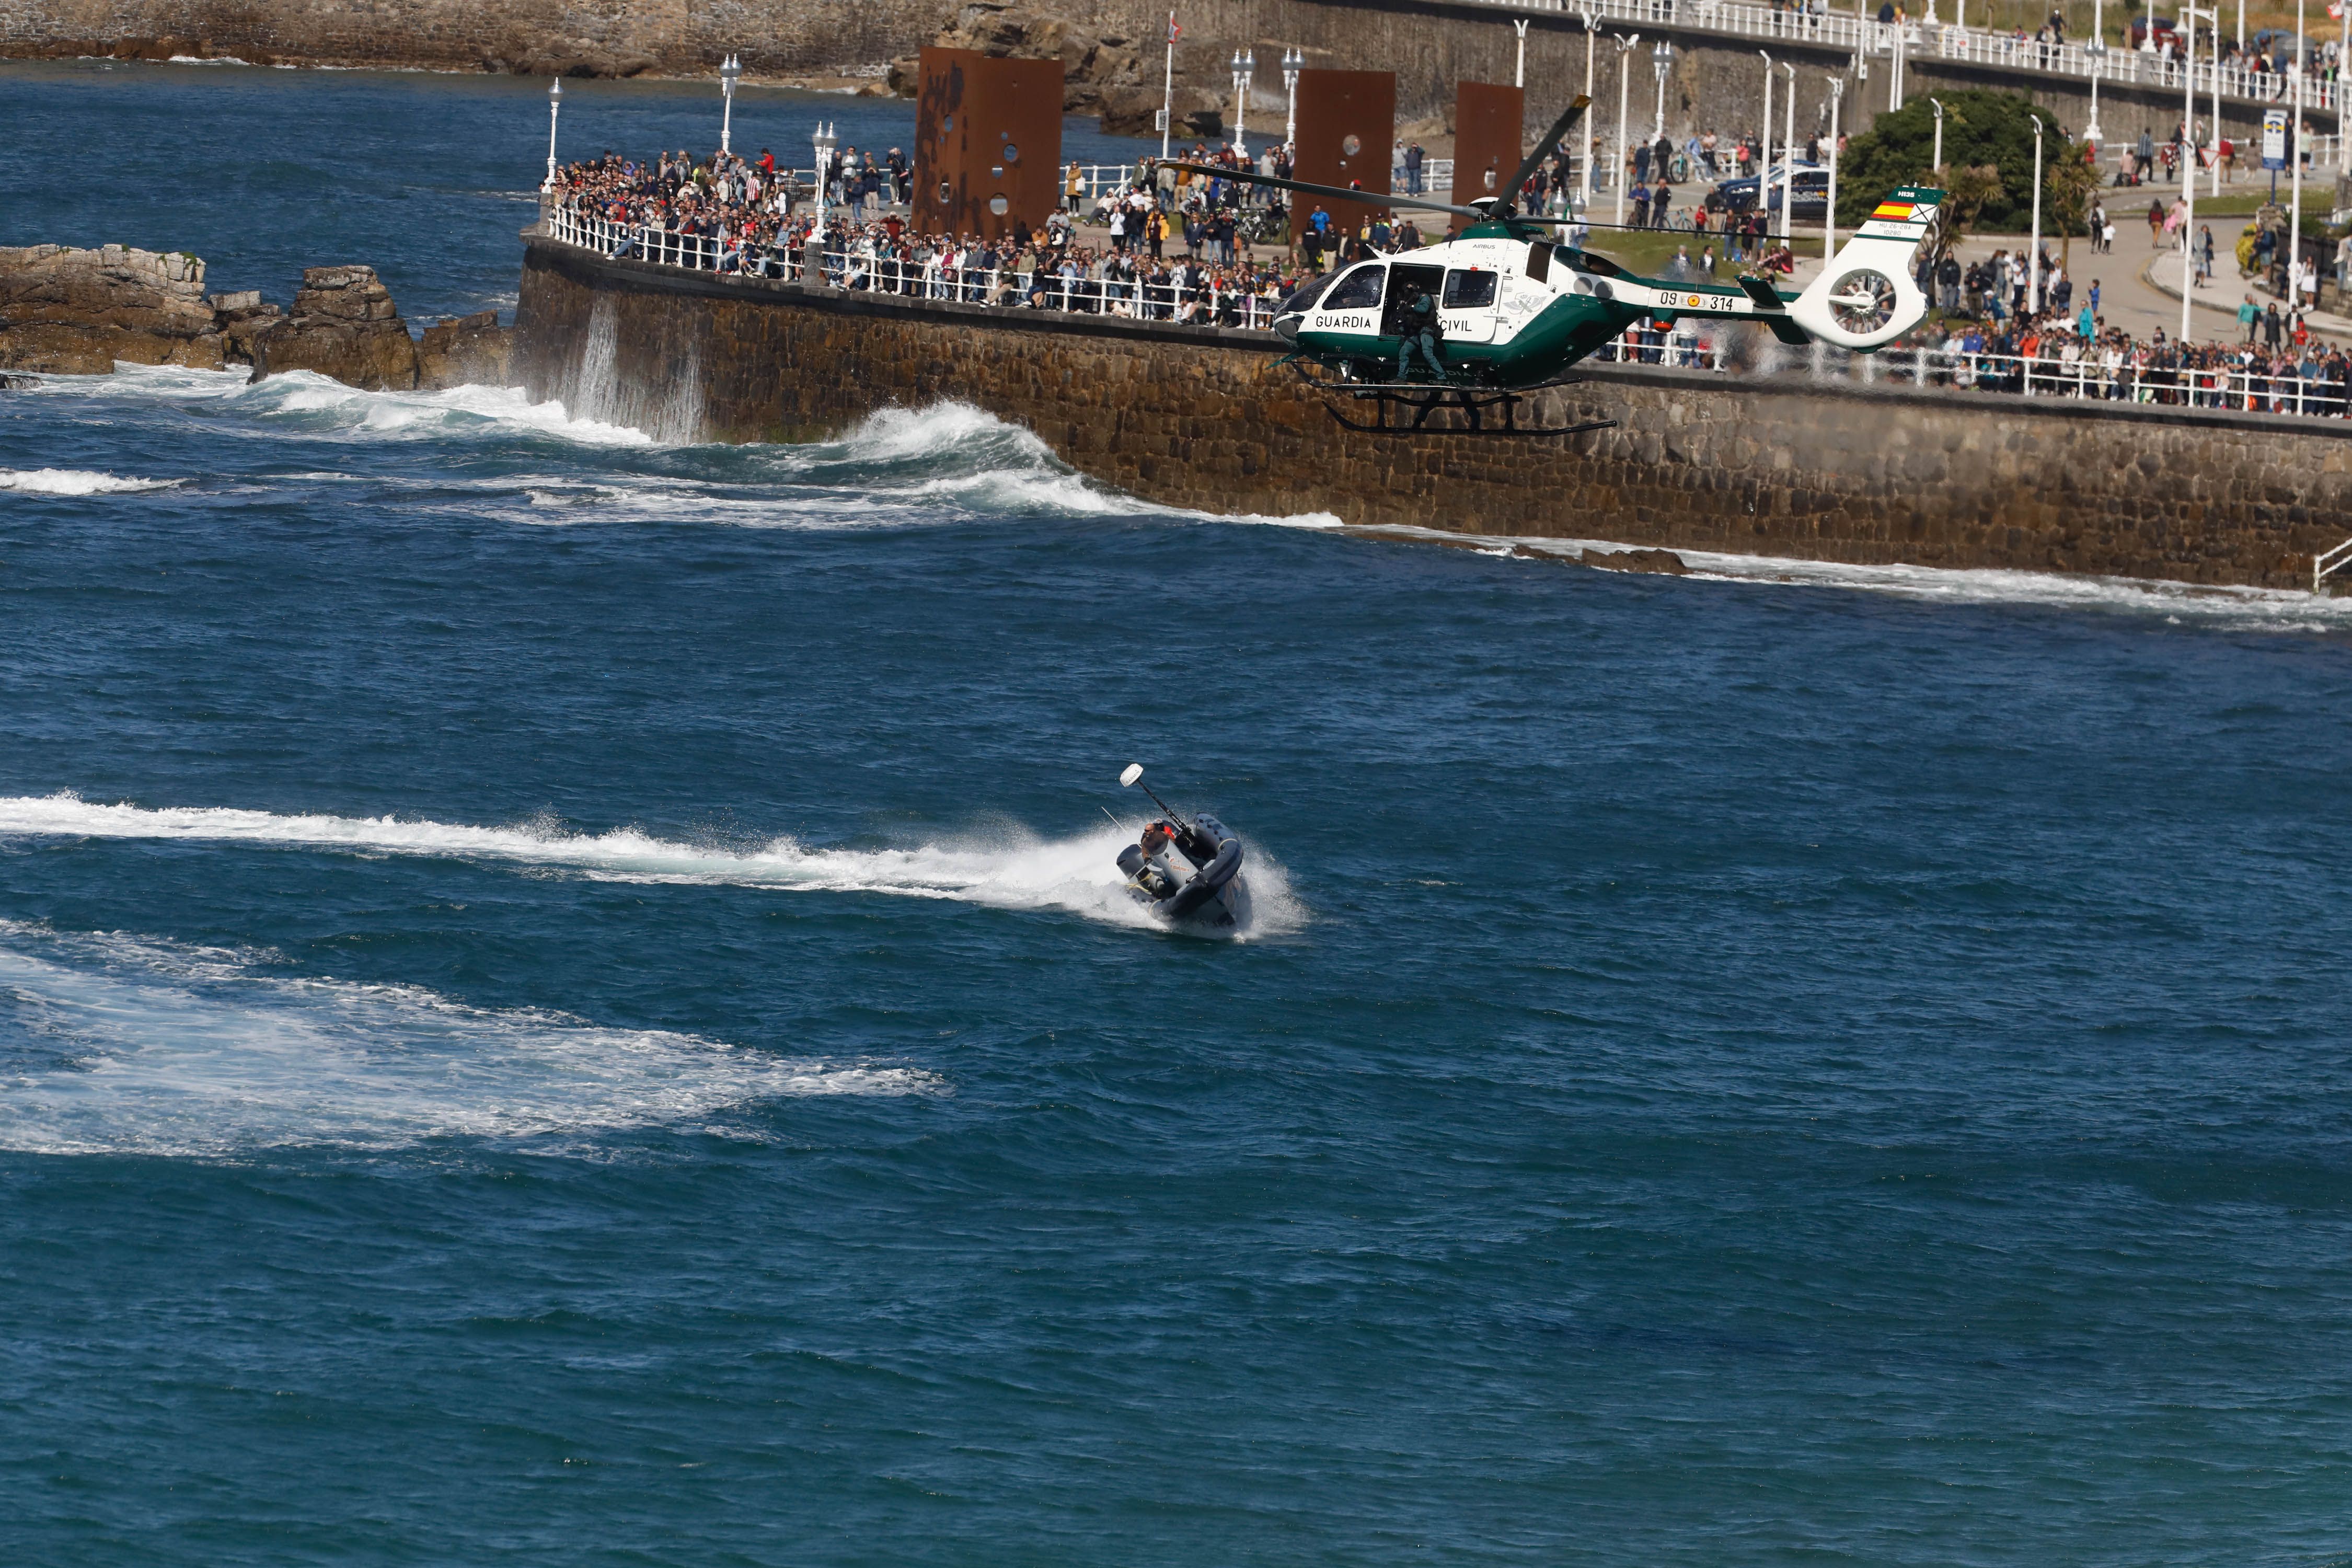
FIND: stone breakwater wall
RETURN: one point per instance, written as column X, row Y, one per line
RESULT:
column 1203, row 418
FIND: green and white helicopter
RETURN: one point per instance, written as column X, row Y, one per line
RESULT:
column 1517, row 311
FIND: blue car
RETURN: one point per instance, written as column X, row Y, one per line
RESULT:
column 1812, row 199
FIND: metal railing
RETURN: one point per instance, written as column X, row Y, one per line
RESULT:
column 2326, row 565
column 858, row 267
column 1944, row 40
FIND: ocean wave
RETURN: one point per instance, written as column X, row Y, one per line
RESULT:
column 116, row 1044
column 75, row 482
column 1010, row 870
column 305, row 404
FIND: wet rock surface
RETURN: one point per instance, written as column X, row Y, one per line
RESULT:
column 465, row 351
column 76, row 313
column 343, row 325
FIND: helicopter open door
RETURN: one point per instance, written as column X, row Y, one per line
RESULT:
column 1393, row 313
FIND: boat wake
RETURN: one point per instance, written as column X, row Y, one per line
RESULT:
column 118, row 1045
column 1009, row 871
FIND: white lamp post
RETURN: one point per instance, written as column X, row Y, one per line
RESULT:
column 1764, row 151
column 1937, row 105
column 1828, row 236
column 555, row 107
column 824, row 141
column 1662, row 61
column 1519, row 76
column 1624, row 76
column 1590, row 38
column 730, row 71
column 2188, row 14
column 2033, row 252
column 2294, row 168
column 2097, row 49
column 1293, row 62
column 1167, row 91
column 1788, row 156
column 1244, row 67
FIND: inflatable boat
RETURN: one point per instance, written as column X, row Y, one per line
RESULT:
column 1214, row 898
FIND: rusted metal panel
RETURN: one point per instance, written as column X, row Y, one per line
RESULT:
column 988, row 143
column 1347, row 136
column 1487, row 121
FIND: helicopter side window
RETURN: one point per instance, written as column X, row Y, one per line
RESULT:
column 1358, row 290
column 1470, row 290
column 1303, row 299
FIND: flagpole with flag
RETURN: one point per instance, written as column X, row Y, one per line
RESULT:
column 1168, row 90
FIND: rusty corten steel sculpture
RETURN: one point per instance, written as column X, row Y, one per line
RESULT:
column 988, row 144
column 1347, row 136
column 1487, row 128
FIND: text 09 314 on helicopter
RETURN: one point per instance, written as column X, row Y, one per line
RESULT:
column 1502, row 306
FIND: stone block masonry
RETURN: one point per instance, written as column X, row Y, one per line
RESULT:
column 1205, row 418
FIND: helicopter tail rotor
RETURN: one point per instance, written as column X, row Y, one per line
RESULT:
column 1866, row 297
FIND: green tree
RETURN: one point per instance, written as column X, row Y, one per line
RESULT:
column 1981, row 129
column 2069, row 182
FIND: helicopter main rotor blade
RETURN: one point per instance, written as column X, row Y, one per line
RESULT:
column 1370, row 198
column 1546, row 148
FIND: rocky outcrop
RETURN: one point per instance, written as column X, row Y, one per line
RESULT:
column 1103, row 72
column 76, row 313
column 465, row 351
column 343, row 325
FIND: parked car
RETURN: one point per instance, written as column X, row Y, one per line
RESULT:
column 2135, row 36
column 1812, row 201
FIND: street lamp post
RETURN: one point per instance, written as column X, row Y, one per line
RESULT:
column 2188, row 14
column 1662, row 61
column 1293, row 62
column 1788, row 156
column 555, row 107
column 2295, row 169
column 1585, row 182
column 1828, row 236
column 1937, row 105
column 2096, row 49
column 2033, row 250
column 1764, row 151
column 1625, row 77
column 1244, row 67
column 730, row 71
column 824, row 141
column 1519, row 76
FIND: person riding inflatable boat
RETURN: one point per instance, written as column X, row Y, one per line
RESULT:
column 1215, row 897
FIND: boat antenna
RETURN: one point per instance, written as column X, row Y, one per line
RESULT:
column 1134, row 775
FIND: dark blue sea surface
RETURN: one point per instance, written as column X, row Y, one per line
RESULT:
column 563, row 999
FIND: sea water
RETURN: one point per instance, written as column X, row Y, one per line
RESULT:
column 564, row 997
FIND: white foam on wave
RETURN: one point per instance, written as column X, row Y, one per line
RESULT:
column 305, row 404
column 123, row 1045
column 1012, row 870
column 2219, row 607
column 75, row 482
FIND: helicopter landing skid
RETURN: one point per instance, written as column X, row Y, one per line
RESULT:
column 1393, row 401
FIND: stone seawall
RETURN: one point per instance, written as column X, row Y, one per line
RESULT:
column 1205, row 418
